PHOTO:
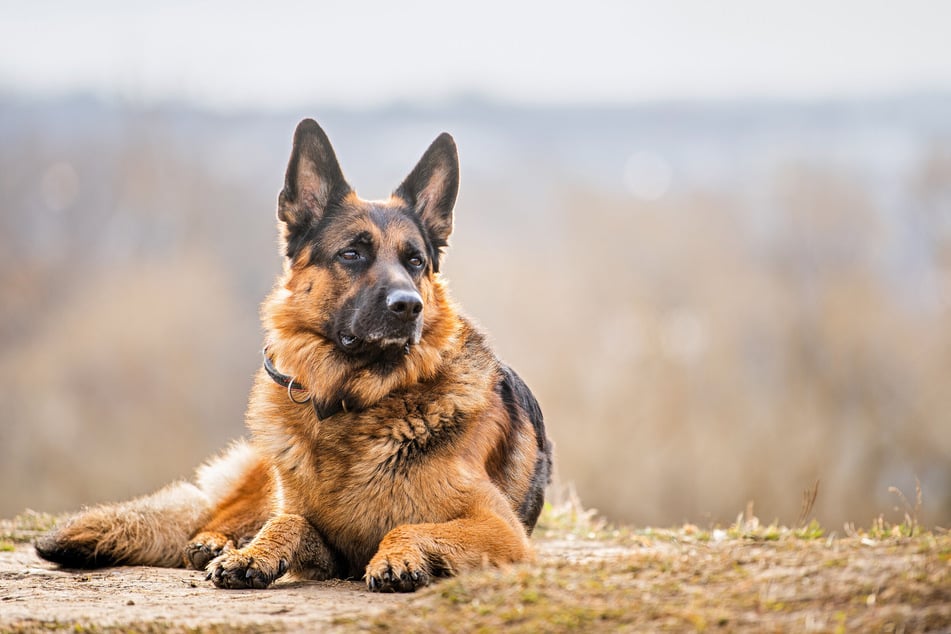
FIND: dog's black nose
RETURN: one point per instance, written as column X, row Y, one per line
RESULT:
column 405, row 304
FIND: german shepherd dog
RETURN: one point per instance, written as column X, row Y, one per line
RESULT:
column 387, row 440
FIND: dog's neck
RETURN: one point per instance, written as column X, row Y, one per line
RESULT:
column 323, row 374
column 323, row 410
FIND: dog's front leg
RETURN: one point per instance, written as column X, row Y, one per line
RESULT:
column 285, row 542
column 412, row 554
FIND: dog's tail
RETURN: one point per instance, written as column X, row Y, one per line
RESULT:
column 151, row 530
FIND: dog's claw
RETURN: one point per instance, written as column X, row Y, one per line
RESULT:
column 406, row 577
column 236, row 572
column 198, row 554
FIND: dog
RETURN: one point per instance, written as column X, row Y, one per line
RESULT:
column 387, row 441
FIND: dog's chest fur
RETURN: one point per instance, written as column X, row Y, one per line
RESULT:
column 356, row 475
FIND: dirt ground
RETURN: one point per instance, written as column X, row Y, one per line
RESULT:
column 38, row 596
column 588, row 577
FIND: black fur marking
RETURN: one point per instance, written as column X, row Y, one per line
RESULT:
column 74, row 556
column 341, row 564
column 325, row 410
column 502, row 453
column 519, row 402
column 297, row 238
column 506, row 388
column 301, row 235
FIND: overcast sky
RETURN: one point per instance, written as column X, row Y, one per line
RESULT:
column 284, row 54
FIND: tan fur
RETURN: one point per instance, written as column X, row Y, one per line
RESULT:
column 153, row 529
column 149, row 530
column 344, row 489
column 429, row 463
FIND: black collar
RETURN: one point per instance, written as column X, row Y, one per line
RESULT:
column 281, row 379
column 290, row 384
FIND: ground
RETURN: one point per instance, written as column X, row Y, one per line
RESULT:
column 588, row 577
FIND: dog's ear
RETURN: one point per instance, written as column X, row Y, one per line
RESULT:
column 313, row 180
column 431, row 190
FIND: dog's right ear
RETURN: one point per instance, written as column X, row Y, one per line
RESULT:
column 313, row 180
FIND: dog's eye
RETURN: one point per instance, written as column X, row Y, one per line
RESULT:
column 349, row 255
column 416, row 261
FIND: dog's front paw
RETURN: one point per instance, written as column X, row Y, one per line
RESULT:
column 397, row 570
column 237, row 569
column 204, row 547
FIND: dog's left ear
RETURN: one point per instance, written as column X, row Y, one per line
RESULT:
column 431, row 188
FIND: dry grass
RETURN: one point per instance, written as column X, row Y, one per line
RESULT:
column 672, row 582
column 26, row 526
column 747, row 577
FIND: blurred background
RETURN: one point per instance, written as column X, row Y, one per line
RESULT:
column 715, row 238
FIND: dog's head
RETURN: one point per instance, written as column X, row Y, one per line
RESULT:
column 360, row 276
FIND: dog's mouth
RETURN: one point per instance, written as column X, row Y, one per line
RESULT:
column 376, row 345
